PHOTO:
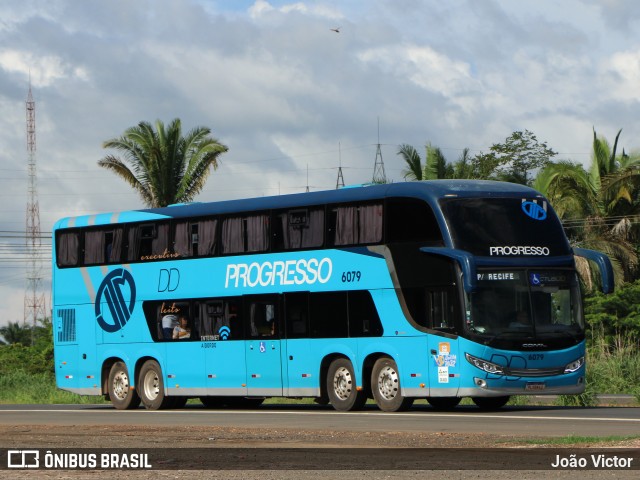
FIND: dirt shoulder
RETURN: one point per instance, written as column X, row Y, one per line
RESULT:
column 142, row 436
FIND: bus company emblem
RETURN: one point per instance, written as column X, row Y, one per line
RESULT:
column 533, row 210
column 111, row 295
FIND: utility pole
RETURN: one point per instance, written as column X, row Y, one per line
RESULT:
column 340, row 181
column 34, row 303
column 379, row 175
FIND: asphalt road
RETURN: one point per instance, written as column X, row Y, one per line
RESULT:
column 525, row 421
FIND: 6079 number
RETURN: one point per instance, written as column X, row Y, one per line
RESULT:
column 350, row 277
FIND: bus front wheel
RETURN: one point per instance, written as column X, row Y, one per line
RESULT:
column 490, row 403
column 151, row 387
column 341, row 387
column 121, row 394
column 385, row 386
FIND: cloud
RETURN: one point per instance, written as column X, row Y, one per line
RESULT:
column 42, row 70
column 282, row 91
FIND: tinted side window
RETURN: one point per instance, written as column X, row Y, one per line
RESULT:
column 363, row 316
column 297, row 314
column 356, row 224
column 68, row 249
column 262, row 315
column 195, row 238
column 103, row 246
column 299, row 228
column 245, row 234
column 411, row 220
column 432, row 308
column 148, row 241
column 329, row 317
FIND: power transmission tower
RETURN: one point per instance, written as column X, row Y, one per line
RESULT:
column 340, row 181
column 34, row 303
column 379, row 175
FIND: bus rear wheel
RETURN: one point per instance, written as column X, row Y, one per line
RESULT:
column 341, row 387
column 122, row 396
column 151, row 387
column 385, row 386
column 444, row 403
column 490, row 403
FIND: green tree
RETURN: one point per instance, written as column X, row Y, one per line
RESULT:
column 435, row 166
column 166, row 167
column 520, row 154
column 14, row 333
column 598, row 206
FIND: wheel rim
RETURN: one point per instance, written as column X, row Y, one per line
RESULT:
column 121, row 385
column 151, row 385
column 342, row 383
column 388, row 383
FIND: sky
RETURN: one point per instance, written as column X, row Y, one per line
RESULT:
column 292, row 99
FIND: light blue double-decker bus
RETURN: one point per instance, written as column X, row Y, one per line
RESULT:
column 438, row 290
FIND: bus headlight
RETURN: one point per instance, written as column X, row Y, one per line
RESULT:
column 488, row 367
column 574, row 366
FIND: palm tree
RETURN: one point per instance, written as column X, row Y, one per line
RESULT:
column 166, row 167
column 598, row 206
column 435, row 166
column 13, row 333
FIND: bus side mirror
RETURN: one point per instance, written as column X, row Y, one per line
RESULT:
column 466, row 261
column 604, row 265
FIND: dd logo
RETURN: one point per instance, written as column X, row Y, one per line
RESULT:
column 111, row 293
column 535, row 211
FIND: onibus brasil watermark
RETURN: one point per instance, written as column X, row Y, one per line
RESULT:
column 34, row 459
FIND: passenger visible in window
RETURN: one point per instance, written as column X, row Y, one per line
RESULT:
column 182, row 331
column 169, row 322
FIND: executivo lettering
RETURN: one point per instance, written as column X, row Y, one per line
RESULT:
column 290, row 272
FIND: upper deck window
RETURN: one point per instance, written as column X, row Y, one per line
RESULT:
column 195, row 238
column 505, row 227
column 103, row 246
column 411, row 220
column 299, row 228
column 67, row 248
column 245, row 234
column 148, row 241
column 358, row 224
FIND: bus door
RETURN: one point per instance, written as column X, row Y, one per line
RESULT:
column 222, row 340
column 263, row 346
column 444, row 354
column 184, row 359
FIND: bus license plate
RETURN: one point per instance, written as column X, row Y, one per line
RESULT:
column 535, row 386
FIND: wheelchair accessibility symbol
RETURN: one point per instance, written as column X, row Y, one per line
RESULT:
column 263, row 347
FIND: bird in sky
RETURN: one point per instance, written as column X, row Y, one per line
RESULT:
column 337, row 29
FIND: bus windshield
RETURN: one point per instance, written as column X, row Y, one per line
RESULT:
column 510, row 307
column 504, row 226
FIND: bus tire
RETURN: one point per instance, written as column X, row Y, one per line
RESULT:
column 122, row 396
column 151, row 387
column 490, row 403
column 341, row 387
column 444, row 403
column 385, row 386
